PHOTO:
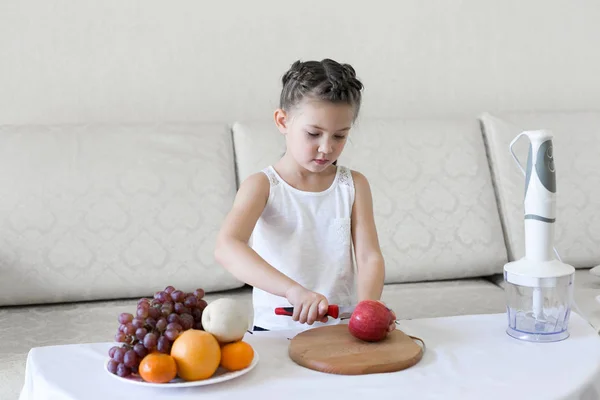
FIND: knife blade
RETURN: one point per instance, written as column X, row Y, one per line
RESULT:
column 334, row 311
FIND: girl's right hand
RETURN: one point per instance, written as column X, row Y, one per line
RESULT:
column 308, row 306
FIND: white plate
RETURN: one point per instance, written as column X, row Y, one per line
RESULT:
column 220, row 375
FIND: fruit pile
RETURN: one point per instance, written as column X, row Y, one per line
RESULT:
column 180, row 334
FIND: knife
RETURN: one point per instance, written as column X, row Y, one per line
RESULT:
column 333, row 311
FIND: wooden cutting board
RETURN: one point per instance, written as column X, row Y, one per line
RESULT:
column 332, row 349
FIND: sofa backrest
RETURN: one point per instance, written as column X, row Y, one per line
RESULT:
column 577, row 161
column 91, row 212
column 111, row 211
column 433, row 196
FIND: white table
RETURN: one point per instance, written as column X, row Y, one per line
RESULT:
column 467, row 357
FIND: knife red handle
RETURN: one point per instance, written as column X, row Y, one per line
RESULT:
column 333, row 311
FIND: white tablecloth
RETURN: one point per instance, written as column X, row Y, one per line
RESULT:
column 467, row 357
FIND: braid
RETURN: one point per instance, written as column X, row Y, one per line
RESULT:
column 325, row 80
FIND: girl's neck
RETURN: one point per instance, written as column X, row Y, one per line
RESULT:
column 301, row 178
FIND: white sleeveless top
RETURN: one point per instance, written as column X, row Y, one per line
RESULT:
column 306, row 236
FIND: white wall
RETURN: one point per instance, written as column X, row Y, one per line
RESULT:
column 154, row 60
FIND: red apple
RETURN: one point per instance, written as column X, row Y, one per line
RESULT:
column 370, row 321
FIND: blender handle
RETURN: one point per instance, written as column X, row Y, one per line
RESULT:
column 514, row 156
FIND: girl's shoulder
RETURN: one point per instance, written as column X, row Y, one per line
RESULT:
column 262, row 180
column 356, row 178
column 257, row 184
column 345, row 176
column 351, row 177
column 270, row 175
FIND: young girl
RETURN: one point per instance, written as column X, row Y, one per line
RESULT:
column 305, row 213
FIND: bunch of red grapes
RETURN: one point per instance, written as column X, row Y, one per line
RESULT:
column 155, row 326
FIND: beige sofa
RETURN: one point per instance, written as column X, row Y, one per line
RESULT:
column 100, row 214
column 125, row 128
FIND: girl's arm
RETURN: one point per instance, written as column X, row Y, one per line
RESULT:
column 234, row 254
column 371, row 266
column 232, row 250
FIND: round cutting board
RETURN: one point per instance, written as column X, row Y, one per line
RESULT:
column 332, row 349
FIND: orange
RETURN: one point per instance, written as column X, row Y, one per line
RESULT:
column 157, row 368
column 237, row 355
column 197, row 354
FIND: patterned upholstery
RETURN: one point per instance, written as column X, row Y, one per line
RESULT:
column 107, row 211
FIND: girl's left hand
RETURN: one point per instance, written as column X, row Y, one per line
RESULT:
column 393, row 323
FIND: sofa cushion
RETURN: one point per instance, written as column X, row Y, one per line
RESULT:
column 444, row 298
column 576, row 152
column 433, row 196
column 107, row 211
